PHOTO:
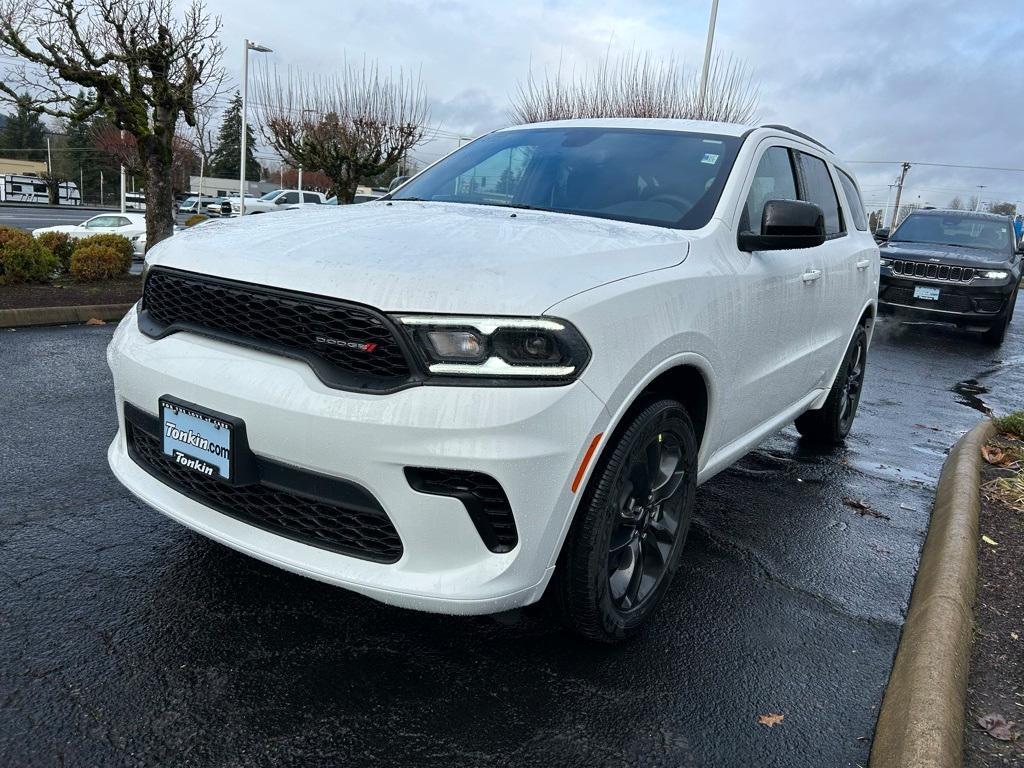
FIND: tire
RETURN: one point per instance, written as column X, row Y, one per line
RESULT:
column 830, row 424
column 995, row 335
column 598, row 591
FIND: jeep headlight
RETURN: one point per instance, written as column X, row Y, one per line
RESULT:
column 520, row 348
column 995, row 274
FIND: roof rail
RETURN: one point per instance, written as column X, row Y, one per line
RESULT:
column 795, row 132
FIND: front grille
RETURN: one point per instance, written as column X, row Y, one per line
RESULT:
column 481, row 495
column 364, row 533
column 357, row 346
column 932, row 271
column 947, row 302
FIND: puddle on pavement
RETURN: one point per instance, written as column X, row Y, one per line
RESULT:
column 969, row 393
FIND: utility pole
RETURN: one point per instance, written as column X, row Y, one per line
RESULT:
column 899, row 193
column 977, row 200
column 707, row 59
column 49, row 158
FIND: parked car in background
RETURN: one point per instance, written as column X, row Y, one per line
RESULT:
column 191, row 205
column 215, row 206
column 279, row 200
column 508, row 378
column 960, row 267
column 130, row 225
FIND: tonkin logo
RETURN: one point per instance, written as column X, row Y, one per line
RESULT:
column 361, row 346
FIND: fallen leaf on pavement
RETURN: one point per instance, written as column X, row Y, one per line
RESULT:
column 987, row 540
column 1014, row 636
column 863, row 508
column 94, row 321
column 998, row 728
column 771, row 719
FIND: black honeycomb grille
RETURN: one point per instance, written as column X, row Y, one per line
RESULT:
column 368, row 535
column 481, row 494
column 354, row 340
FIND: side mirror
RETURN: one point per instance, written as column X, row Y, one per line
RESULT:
column 881, row 234
column 397, row 182
column 281, row 200
column 786, row 225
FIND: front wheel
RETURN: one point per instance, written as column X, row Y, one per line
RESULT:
column 626, row 541
column 997, row 333
column 831, row 423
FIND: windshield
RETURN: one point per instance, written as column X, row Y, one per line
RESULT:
column 271, row 195
column 666, row 178
column 953, row 229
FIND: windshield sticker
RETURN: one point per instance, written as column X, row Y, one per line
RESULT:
column 709, row 158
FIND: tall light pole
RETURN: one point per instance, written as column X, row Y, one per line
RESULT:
column 707, row 59
column 249, row 46
column 977, row 200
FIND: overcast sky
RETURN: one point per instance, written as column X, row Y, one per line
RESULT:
column 920, row 80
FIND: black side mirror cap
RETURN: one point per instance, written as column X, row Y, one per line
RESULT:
column 881, row 234
column 786, row 225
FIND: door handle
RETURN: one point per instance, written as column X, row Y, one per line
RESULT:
column 811, row 275
column 863, row 264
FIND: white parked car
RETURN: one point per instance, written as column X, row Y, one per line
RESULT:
column 279, row 200
column 130, row 225
column 508, row 377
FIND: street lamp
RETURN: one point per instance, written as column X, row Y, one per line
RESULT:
column 249, row 46
column 707, row 59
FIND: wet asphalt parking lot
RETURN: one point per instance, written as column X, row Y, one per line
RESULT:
column 125, row 639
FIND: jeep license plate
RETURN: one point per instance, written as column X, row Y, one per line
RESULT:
column 926, row 292
column 195, row 440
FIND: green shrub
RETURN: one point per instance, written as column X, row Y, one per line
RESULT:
column 194, row 219
column 96, row 262
column 23, row 259
column 1014, row 424
column 119, row 244
column 60, row 244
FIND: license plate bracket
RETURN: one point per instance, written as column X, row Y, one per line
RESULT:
column 198, row 439
column 926, row 292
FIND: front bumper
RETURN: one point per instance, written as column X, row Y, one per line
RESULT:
column 975, row 304
column 531, row 440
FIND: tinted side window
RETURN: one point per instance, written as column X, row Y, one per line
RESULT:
column 290, row 198
column 311, row 197
column 860, row 221
column 818, row 189
column 773, row 180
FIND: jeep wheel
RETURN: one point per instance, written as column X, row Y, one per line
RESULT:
column 997, row 332
column 831, row 423
column 625, row 544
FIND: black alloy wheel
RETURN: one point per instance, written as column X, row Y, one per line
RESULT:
column 830, row 424
column 628, row 535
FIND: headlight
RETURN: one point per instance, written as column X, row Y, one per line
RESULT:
column 885, row 262
column 995, row 274
column 498, row 347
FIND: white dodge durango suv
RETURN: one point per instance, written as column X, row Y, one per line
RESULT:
column 505, row 380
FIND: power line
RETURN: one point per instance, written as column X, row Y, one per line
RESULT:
column 939, row 165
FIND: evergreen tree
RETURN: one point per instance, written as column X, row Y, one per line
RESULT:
column 24, row 130
column 224, row 162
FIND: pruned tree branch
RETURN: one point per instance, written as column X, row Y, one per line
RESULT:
column 638, row 85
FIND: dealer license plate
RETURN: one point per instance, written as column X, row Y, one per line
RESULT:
column 196, row 440
column 926, row 292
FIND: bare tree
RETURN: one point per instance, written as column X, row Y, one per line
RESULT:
column 956, row 203
column 639, row 85
column 123, row 148
column 140, row 66
column 347, row 126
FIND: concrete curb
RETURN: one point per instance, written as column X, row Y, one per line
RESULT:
column 19, row 318
column 921, row 722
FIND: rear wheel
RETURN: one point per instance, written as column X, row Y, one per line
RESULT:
column 997, row 332
column 625, row 544
column 831, row 423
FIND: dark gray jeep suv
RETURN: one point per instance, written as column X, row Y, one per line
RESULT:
column 959, row 267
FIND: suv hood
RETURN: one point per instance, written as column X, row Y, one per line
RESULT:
column 425, row 257
column 956, row 255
